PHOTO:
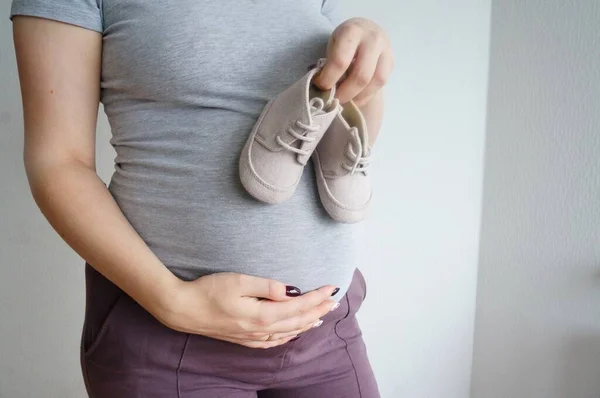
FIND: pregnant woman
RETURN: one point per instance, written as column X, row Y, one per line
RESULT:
column 195, row 289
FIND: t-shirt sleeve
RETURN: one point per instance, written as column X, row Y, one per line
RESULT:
column 332, row 10
column 84, row 13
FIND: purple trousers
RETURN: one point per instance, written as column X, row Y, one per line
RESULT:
column 127, row 353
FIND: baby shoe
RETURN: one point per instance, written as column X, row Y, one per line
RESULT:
column 341, row 162
column 284, row 138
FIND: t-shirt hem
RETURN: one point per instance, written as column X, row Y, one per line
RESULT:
column 59, row 14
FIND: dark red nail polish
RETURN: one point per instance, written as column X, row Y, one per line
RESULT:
column 337, row 289
column 292, row 291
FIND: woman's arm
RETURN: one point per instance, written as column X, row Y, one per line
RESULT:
column 59, row 69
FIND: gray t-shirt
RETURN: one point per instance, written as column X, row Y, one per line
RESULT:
column 183, row 82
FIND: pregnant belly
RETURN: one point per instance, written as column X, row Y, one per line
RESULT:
column 202, row 225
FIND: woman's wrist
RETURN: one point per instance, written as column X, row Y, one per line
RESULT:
column 165, row 299
column 172, row 300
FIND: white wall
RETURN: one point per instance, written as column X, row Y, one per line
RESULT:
column 537, row 331
column 418, row 319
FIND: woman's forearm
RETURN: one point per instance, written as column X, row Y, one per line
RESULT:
column 60, row 73
column 81, row 209
column 373, row 114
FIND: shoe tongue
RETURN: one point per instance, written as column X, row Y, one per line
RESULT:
column 321, row 114
column 319, row 109
column 354, row 118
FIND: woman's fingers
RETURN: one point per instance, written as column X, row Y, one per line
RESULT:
column 384, row 68
column 276, row 335
column 271, row 313
column 311, row 316
column 292, row 326
column 359, row 60
column 360, row 72
column 252, row 286
column 261, row 340
column 340, row 52
column 296, row 333
column 283, row 331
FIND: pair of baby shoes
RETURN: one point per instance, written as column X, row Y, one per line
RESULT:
column 305, row 122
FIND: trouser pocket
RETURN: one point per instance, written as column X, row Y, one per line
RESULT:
column 126, row 352
column 102, row 300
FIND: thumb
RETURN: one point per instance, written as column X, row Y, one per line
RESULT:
column 268, row 289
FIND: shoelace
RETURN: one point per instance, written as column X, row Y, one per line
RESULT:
column 316, row 108
column 360, row 159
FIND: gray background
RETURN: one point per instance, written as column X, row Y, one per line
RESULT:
column 537, row 330
column 537, row 326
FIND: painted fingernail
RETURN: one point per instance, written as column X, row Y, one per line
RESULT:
column 319, row 323
column 295, row 338
column 335, row 291
column 335, row 306
column 292, row 291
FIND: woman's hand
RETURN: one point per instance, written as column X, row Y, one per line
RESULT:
column 360, row 49
column 228, row 306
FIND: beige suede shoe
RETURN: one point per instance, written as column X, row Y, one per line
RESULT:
column 284, row 138
column 341, row 162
